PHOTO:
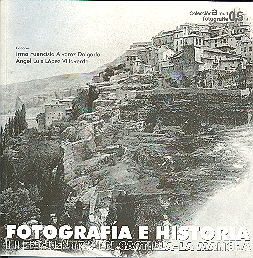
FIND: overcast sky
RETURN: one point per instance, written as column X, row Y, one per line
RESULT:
column 106, row 27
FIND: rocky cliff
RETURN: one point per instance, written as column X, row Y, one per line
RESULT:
column 134, row 150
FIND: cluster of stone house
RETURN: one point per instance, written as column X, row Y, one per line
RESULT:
column 208, row 53
column 56, row 105
column 138, row 58
column 55, row 110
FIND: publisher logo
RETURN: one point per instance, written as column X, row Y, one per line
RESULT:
column 220, row 16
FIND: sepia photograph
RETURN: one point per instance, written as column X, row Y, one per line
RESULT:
column 126, row 129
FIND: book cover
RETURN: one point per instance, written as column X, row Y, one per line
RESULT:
column 126, row 129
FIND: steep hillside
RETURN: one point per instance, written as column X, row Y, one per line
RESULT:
column 26, row 90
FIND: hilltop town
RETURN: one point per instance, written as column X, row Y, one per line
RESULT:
column 210, row 58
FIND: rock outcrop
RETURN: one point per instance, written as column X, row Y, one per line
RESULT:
column 135, row 147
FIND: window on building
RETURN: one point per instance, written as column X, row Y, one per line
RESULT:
column 226, row 68
column 245, row 49
column 250, row 48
